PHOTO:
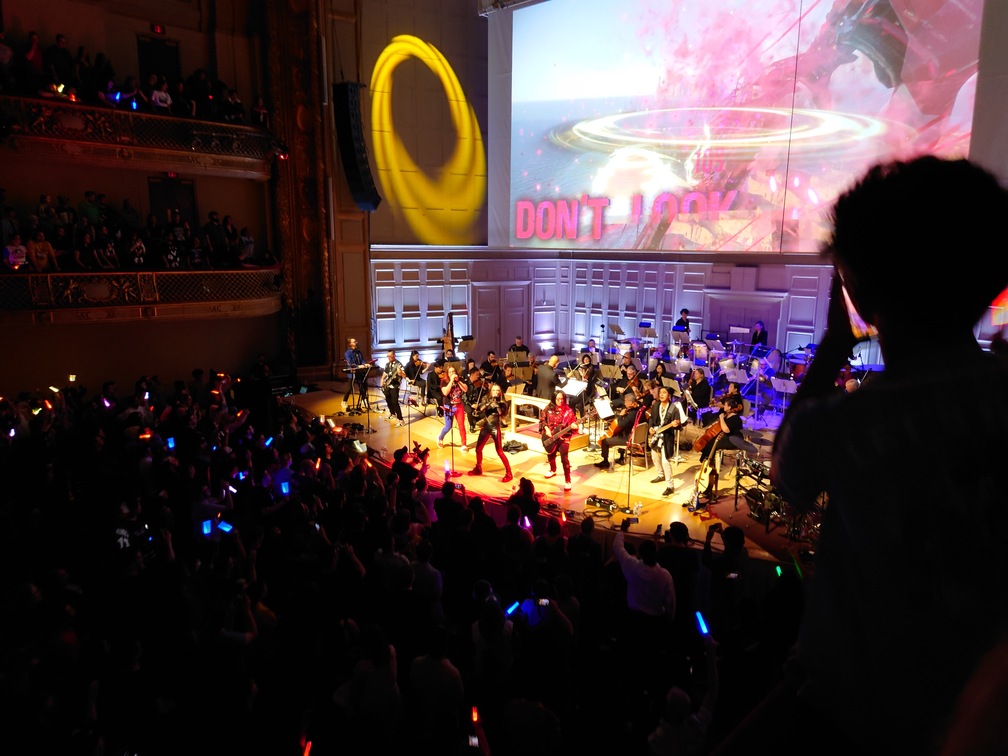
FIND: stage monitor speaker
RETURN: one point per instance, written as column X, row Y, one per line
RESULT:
column 352, row 147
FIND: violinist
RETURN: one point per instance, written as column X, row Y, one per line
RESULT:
column 630, row 381
column 491, row 409
column 620, row 428
column 586, row 371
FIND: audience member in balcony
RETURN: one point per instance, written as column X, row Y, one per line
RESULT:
column 260, row 116
column 131, row 97
column 196, row 257
column 41, row 254
column 151, row 85
column 129, row 217
column 246, row 247
column 136, row 257
column 172, row 257
column 62, row 243
column 232, row 235
column 59, row 62
column 88, row 209
column 199, row 93
column 10, row 226
column 105, row 248
column 83, row 78
column 82, row 254
column 29, row 67
column 6, row 61
column 232, row 109
column 102, row 71
column 161, row 99
column 181, row 105
column 15, row 255
column 108, row 92
column 66, row 212
column 215, row 236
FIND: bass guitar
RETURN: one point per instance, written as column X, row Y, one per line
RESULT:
column 708, row 435
column 551, row 442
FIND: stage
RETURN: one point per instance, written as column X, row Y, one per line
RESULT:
column 610, row 495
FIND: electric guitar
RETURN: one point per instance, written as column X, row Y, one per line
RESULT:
column 656, row 439
column 551, row 442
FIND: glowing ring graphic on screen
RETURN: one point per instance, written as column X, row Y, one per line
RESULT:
column 736, row 132
column 441, row 210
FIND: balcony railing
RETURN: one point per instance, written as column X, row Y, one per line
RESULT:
column 138, row 295
column 130, row 134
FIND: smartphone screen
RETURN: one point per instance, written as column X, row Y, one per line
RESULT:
column 858, row 326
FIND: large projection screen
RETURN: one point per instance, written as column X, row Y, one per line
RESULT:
column 673, row 125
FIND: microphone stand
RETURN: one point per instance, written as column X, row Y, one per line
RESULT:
column 366, row 399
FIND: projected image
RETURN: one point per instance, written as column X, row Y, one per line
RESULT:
column 728, row 126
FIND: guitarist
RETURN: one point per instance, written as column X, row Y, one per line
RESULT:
column 667, row 417
column 558, row 419
column 491, row 409
column 631, row 413
column 392, row 375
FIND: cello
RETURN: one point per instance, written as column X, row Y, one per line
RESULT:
column 708, row 435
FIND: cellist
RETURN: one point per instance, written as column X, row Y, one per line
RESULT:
column 629, row 415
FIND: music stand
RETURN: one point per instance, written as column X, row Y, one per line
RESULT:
column 466, row 344
column 365, row 396
column 785, row 386
column 714, row 345
column 737, row 375
column 523, row 370
column 672, row 385
column 616, row 331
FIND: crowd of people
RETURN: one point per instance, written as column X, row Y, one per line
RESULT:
column 96, row 235
column 36, row 69
column 177, row 557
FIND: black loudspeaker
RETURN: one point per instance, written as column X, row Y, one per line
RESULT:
column 353, row 149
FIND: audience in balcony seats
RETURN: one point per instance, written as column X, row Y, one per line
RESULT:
column 131, row 96
column 161, row 99
column 232, row 236
column 196, row 256
column 84, row 75
column 10, row 226
column 41, row 255
column 232, row 110
column 129, row 216
column 199, row 92
column 182, row 106
column 215, row 236
column 259, row 115
column 108, row 92
column 59, row 63
column 136, row 257
column 6, row 62
column 29, row 68
column 15, row 256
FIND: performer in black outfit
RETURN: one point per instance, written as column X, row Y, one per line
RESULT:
column 490, row 410
column 392, row 376
column 699, row 390
column 414, row 371
column 759, row 334
column 683, row 321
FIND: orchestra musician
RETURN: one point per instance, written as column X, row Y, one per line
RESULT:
column 414, row 371
column 620, row 427
column 392, row 376
column 697, row 395
column 489, row 366
column 660, row 373
column 728, row 424
column 586, row 371
column 355, row 366
column 453, row 396
column 434, row 379
column 683, row 321
column 558, row 417
column 665, row 420
column 519, row 351
column 630, row 380
column 490, row 410
column 759, row 334
column 593, row 352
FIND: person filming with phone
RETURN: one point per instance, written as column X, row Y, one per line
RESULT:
column 901, row 607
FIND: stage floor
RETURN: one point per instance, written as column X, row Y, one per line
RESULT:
column 625, row 490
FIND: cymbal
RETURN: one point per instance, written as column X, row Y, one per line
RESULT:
column 741, row 443
column 760, row 441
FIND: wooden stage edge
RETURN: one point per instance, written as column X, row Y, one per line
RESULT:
column 628, row 486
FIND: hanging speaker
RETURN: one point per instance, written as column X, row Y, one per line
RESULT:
column 352, row 147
